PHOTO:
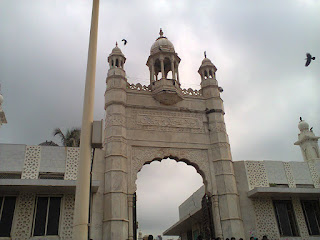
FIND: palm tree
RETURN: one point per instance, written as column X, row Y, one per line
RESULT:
column 71, row 138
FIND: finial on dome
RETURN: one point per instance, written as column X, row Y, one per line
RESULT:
column 116, row 44
column 205, row 54
column 161, row 32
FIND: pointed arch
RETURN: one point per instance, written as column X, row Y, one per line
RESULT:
column 197, row 158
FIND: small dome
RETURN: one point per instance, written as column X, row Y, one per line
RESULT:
column 116, row 51
column 303, row 125
column 206, row 61
column 161, row 44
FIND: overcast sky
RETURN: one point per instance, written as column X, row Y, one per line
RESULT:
column 258, row 47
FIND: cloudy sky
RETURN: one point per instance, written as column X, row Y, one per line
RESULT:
column 258, row 47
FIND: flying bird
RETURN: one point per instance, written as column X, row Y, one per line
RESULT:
column 124, row 41
column 309, row 58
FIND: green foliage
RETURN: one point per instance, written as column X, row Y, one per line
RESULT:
column 71, row 138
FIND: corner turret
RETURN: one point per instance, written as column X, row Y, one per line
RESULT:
column 308, row 142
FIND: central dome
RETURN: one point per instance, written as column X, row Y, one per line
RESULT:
column 161, row 44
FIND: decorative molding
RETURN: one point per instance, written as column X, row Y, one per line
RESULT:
column 72, row 163
column 303, row 229
column 257, row 174
column 289, row 174
column 23, row 217
column 67, row 217
column 165, row 121
column 31, row 162
column 116, row 139
column 139, row 87
column 219, row 145
column 191, row 92
column 195, row 157
column 265, row 218
column 314, row 174
column 144, row 88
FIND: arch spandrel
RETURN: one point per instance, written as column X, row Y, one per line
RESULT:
column 198, row 158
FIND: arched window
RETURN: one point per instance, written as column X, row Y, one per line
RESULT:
column 117, row 62
column 205, row 74
column 210, row 74
column 112, row 63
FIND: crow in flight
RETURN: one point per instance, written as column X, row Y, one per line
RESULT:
column 124, row 41
column 309, row 58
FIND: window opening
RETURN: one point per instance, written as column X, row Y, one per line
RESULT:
column 117, row 62
column 311, row 212
column 10, row 175
column 205, row 74
column 285, row 218
column 51, row 175
column 210, row 74
column 47, row 215
column 112, row 63
column 7, row 206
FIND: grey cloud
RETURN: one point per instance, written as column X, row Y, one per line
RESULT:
column 258, row 48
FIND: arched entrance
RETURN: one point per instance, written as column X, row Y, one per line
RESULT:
column 162, row 186
column 146, row 123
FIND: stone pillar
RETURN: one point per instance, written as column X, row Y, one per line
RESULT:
column 178, row 79
column 220, row 156
column 172, row 69
column 115, row 222
column 216, row 216
column 152, row 73
column 162, row 68
column 130, row 213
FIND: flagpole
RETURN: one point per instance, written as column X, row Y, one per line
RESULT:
column 81, row 211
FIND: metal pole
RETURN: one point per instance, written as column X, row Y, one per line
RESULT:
column 81, row 212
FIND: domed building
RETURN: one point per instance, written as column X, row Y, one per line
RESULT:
column 148, row 123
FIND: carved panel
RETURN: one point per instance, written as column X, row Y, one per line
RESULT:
column 265, row 218
column 257, row 175
column 303, row 229
column 314, row 174
column 72, row 163
column 115, row 120
column 23, row 216
column 289, row 174
column 167, row 121
column 218, row 127
column 196, row 157
column 67, row 217
column 31, row 162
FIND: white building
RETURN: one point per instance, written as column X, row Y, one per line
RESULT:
column 277, row 199
column 147, row 123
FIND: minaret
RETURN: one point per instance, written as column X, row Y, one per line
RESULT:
column 308, row 142
column 227, row 197
column 116, row 219
column 163, row 64
column 2, row 114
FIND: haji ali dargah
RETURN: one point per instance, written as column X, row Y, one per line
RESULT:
column 39, row 184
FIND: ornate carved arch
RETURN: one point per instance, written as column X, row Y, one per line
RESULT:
column 197, row 158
